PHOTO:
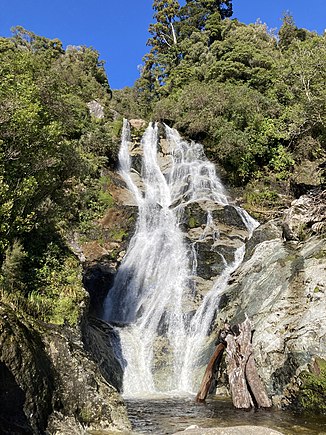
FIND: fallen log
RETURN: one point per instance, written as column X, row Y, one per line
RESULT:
column 256, row 385
column 247, row 389
column 236, row 359
column 211, row 368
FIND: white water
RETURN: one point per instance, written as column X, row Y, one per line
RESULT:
column 153, row 280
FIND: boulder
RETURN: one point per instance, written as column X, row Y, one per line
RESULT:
column 138, row 124
column 306, row 216
column 96, row 109
column 214, row 232
column 49, row 382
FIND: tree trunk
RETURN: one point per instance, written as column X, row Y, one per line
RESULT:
column 211, row 368
column 247, row 389
column 236, row 364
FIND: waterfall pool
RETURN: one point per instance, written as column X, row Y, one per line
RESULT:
column 166, row 415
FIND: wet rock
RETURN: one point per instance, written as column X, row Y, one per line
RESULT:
column 194, row 215
column 97, row 280
column 237, row 430
column 98, row 338
column 211, row 260
column 81, row 391
column 214, row 240
column 230, row 216
column 48, row 379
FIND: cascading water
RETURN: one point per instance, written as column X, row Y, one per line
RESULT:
column 154, row 280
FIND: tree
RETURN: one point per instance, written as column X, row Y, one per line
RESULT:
column 164, row 31
column 289, row 32
column 196, row 14
column 44, row 126
column 164, row 52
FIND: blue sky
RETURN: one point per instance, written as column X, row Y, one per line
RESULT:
column 118, row 28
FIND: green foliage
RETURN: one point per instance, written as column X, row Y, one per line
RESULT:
column 52, row 155
column 256, row 100
column 11, row 277
column 50, row 146
column 60, row 295
column 98, row 199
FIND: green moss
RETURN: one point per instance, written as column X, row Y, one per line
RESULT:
column 320, row 255
column 312, row 393
column 86, row 415
column 118, row 234
column 192, row 223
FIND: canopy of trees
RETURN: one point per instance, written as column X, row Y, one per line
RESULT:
column 256, row 99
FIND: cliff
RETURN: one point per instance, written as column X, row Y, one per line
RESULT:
column 281, row 287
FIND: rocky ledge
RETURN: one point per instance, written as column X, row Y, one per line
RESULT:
column 48, row 382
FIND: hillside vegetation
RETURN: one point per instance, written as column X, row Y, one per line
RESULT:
column 53, row 160
column 255, row 98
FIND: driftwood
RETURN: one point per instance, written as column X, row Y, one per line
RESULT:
column 209, row 373
column 247, row 389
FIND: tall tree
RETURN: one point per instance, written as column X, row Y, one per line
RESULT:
column 195, row 13
column 289, row 32
column 164, row 31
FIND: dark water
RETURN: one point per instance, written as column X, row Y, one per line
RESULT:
column 168, row 415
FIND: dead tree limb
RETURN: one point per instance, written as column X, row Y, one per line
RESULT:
column 236, row 365
column 247, row 389
column 256, row 385
column 209, row 373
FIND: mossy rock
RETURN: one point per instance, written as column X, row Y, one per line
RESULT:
column 194, row 216
column 312, row 391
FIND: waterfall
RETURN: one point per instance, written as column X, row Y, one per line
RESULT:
column 154, row 281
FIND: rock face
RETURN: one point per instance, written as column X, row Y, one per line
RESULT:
column 281, row 286
column 96, row 109
column 98, row 337
column 49, row 383
column 26, row 376
column 307, row 215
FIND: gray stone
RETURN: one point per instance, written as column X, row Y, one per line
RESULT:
column 51, row 383
column 306, row 216
column 282, row 288
column 96, row 109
